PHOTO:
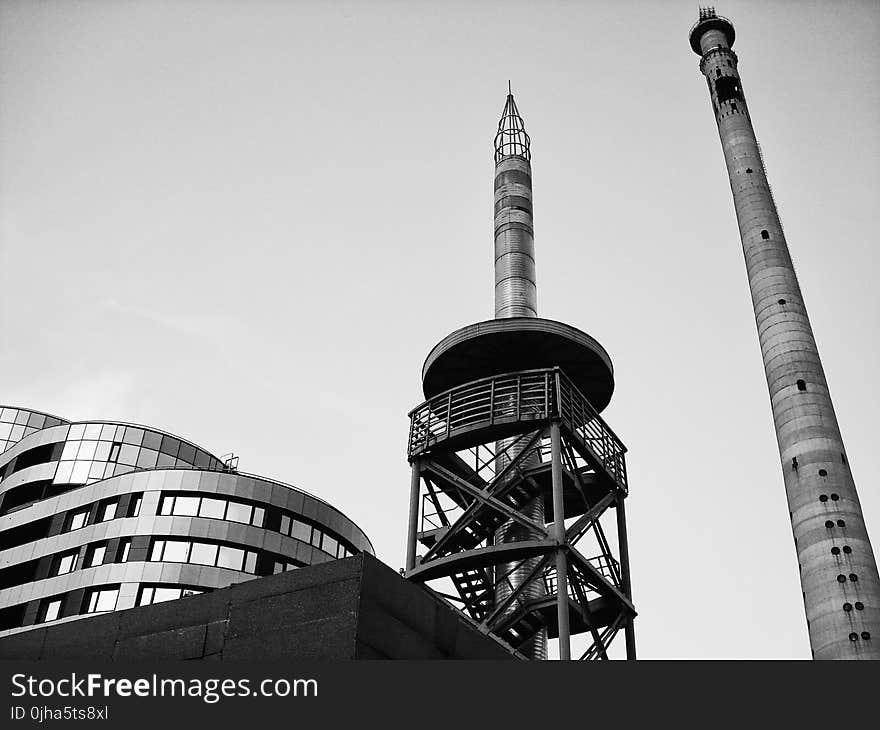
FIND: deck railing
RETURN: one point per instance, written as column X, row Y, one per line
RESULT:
column 528, row 395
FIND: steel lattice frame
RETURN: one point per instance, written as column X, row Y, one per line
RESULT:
column 459, row 499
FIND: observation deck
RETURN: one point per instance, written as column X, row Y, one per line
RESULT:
column 490, row 348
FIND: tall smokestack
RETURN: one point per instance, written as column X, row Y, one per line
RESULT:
column 841, row 587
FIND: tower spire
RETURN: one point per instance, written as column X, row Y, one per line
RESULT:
column 511, row 140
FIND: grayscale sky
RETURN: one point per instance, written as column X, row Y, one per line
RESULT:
column 247, row 223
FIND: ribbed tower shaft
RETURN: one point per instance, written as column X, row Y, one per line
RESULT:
column 516, row 296
column 841, row 586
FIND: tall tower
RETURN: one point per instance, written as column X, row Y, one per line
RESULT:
column 513, row 468
column 841, row 587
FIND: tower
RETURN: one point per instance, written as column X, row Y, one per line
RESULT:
column 513, row 468
column 841, row 587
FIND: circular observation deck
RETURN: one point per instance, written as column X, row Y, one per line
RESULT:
column 497, row 346
column 714, row 22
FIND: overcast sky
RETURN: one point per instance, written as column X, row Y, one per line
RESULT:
column 247, row 223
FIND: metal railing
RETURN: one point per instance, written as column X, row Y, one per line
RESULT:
column 606, row 566
column 528, row 395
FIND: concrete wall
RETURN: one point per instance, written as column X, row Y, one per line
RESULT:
column 355, row 608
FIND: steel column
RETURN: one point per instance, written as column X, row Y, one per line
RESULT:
column 414, row 492
column 623, row 550
column 559, row 530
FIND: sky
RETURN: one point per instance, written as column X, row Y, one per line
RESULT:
column 247, row 223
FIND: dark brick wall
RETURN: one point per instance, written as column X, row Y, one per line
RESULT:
column 356, row 608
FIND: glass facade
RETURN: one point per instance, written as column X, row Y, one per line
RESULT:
column 16, row 423
column 107, row 516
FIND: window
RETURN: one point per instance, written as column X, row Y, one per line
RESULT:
column 316, row 537
column 107, row 510
column 829, row 524
column 237, row 512
column 765, row 234
column 835, row 497
column 134, row 506
column 186, row 506
column 229, row 557
column 823, row 497
column 95, row 555
column 51, row 609
column 259, row 517
column 748, row 171
column 841, row 578
column 835, row 551
column 285, row 525
column 801, row 385
column 124, row 549
column 330, row 545
column 101, row 599
column 847, row 549
column 781, row 301
column 159, row 594
column 250, row 562
column 114, row 452
column 66, row 563
column 176, row 551
column 301, row 531
column 841, row 523
column 853, row 636
column 212, row 507
column 866, row 635
column 823, row 473
column 77, row 519
column 203, row 553
column 847, row 607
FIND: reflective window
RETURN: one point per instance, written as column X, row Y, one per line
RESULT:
column 186, row 506
column 95, row 555
column 301, row 531
column 107, row 511
column 102, row 599
column 237, row 512
column 229, row 557
column 176, row 551
column 52, row 610
column 77, row 519
column 134, row 506
column 330, row 545
column 211, row 507
column 87, row 450
column 250, row 562
column 158, row 594
column 203, row 553
column 285, row 524
column 122, row 552
column 66, row 563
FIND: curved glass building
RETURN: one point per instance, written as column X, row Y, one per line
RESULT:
column 102, row 516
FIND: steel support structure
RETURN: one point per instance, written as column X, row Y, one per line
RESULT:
column 472, row 452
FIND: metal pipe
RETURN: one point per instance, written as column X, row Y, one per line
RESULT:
column 559, row 530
